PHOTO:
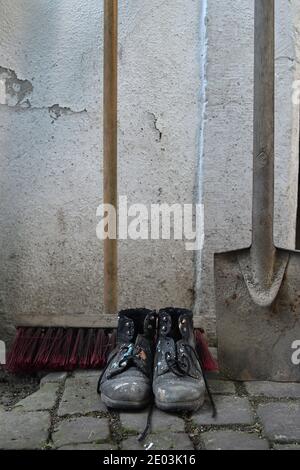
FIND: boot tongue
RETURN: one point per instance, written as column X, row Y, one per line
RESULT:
column 176, row 323
column 135, row 322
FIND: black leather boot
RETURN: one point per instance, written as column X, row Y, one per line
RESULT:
column 126, row 383
column 178, row 382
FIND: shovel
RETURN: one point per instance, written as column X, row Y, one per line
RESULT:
column 258, row 289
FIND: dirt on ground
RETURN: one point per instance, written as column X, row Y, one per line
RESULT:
column 14, row 388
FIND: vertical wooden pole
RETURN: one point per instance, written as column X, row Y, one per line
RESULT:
column 262, row 250
column 110, row 148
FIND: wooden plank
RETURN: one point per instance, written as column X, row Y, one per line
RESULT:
column 67, row 321
column 79, row 321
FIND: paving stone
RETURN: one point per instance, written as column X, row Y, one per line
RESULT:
column 233, row 440
column 287, row 447
column 160, row 422
column 88, row 447
column 273, row 389
column 166, row 441
column 82, row 374
column 24, row 431
column 43, row 399
column 83, row 430
column 231, row 410
column 221, row 387
column 281, row 421
column 80, row 396
column 54, row 377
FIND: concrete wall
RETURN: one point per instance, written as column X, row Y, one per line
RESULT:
column 185, row 130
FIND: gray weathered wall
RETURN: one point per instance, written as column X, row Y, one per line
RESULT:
column 50, row 162
column 186, row 75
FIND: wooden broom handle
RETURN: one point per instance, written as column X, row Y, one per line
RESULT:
column 110, row 138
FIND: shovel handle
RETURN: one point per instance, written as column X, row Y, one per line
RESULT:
column 110, row 140
column 263, row 148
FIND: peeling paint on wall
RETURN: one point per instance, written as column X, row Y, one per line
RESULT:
column 57, row 111
column 13, row 91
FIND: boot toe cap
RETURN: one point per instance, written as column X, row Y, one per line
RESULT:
column 125, row 391
column 179, row 393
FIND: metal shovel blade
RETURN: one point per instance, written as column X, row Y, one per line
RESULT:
column 257, row 333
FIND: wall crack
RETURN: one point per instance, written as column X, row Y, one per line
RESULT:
column 157, row 124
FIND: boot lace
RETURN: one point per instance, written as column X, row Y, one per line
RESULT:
column 130, row 358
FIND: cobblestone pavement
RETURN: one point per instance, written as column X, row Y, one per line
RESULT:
column 67, row 413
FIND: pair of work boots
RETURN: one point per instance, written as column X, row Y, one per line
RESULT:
column 155, row 356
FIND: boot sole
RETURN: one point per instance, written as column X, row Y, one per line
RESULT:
column 123, row 405
column 180, row 405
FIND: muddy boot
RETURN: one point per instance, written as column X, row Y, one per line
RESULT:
column 178, row 382
column 126, row 383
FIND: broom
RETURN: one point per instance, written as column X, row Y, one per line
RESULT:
column 56, row 348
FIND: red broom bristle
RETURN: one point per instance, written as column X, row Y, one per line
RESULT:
column 29, row 355
column 101, row 350
column 54, row 351
column 54, row 348
column 209, row 364
column 70, row 340
column 87, row 351
column 98, row 354
column 61, row 359
column 56, row 358
column 77, row 348
column 22, row 354
column 46, row 346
